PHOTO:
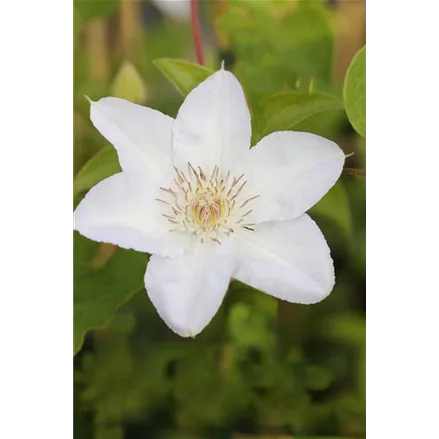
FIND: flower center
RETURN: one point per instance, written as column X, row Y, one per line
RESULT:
column 207, row 206
column 209, row 209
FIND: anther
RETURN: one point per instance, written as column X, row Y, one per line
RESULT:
column 248, row 201
column 202, row 175
column 239, row 190
column 162, row 201
column 168, row 216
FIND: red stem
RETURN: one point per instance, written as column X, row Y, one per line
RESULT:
column 197, row 32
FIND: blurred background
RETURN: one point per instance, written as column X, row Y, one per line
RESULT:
column 263, row 368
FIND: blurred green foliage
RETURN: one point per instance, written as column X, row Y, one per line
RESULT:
column 89, row 9
column 263, row 366
column 278, row 43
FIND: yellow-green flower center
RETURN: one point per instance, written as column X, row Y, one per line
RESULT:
column 209, row 209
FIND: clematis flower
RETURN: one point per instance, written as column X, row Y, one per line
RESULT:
column 207, row 207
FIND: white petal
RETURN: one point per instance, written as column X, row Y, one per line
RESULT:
column 289, row 260
column 141, row 136
column 291, row 171
column 122, row 210
column 213, row 124
column 188, row 290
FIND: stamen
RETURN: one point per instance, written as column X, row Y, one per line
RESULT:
column 214, row 173
column 189, row 169
column 169, row 191
column 237, row 181
column 162, row 201
column 180, row 179
column 239, row 190
column 178, row 185
column 248, row 200
column 227, row 178
column 198, row 180
column 207, row 207
column 202, row 175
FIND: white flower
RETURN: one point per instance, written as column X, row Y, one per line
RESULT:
column 207, row 207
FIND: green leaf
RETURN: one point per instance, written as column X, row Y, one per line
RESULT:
column 335, row 206
column 354, row 92
column 102, row 165
column 99, row 292
column 184, row 75
column 284, row 111
column 123, row 323
column 90, row 9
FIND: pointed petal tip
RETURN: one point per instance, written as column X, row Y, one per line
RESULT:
column 181, row 331
column 89, row 100
column 188, row 334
